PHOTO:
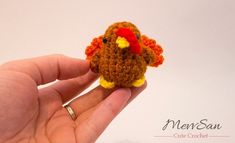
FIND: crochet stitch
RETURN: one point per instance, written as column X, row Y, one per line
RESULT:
column 121, row 56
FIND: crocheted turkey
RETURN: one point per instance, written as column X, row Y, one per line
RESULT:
column 122, row 54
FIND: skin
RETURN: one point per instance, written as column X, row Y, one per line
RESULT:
column 30, row 114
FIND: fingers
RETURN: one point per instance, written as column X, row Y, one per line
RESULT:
column 136, row 91
column 49, row 68
column 90, row 99
column 94, row 121
column 94, row 97
column 70, row 88
column 103, row 115
column 84, row 113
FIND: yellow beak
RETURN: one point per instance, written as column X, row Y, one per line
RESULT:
column 122, row 42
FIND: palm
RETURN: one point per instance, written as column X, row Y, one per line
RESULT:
column 37, row 115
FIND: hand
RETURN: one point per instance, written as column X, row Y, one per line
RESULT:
column 29, row 114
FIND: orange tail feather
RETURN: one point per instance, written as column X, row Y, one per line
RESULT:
column 95, row 46
column 157, row 49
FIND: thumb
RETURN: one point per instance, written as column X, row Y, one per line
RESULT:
column 49, row 68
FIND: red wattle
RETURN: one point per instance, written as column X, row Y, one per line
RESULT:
column 131, row 38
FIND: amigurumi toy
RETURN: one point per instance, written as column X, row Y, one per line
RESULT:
column 122, row 54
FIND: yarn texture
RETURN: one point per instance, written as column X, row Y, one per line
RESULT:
column 122, row 54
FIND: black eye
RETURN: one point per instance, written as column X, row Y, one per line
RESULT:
column 138, row 36
column 104, row 40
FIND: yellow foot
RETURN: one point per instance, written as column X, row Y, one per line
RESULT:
column 139, row 82
column 106, row 84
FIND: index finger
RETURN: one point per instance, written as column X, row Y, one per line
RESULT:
column 49, row 68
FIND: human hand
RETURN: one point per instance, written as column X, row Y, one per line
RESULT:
column 29, row 114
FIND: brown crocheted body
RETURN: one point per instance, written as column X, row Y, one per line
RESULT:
column 121, row 66
column 117, row 65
